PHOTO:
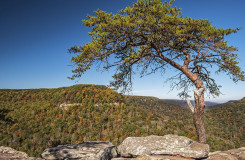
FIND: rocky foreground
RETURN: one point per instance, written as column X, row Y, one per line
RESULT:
column 168, row 147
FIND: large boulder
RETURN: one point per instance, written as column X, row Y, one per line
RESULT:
column 82, row 151
column 163, row 145
column 11, row 154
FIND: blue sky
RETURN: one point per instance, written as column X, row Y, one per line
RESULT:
column 36, row 34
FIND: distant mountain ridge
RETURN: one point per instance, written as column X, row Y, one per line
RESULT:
column 183, row 103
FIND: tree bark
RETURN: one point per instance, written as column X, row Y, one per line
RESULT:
column 198, row 92
column 198, row 113
column 189, row 104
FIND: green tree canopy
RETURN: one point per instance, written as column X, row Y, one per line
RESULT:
column 151, row 35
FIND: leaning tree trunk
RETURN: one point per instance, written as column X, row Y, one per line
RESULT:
column 198, row 110
column 198, row 113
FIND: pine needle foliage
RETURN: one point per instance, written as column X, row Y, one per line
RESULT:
column 151, row 35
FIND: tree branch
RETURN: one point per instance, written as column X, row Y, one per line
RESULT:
column 166, row 59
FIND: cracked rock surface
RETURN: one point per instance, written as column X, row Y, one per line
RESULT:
column 163, row 145
column 233, row 154
column 82, row 151
column 7, row 153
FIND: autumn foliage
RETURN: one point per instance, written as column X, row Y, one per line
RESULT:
column 31, row 119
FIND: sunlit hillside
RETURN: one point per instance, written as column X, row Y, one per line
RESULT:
column 34, row 119
column 225, row 124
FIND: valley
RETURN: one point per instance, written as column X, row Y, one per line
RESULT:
column 32, row 120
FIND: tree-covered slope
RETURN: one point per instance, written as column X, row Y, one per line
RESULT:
column 31, row 119
column 176, row 119
column 225, row 124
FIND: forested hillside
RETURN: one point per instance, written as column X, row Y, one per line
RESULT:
column 32, row 120
column 225, row 125
column 177, row 120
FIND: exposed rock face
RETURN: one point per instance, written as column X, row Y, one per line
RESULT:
column 82, row 151
column 163, row 145
column 234, row 154
column 222, row 156
column 7, row 153
column 169, row 147
column 64, row 106
column 10, row 153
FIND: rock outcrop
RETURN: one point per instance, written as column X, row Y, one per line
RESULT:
column 82, row 151
column 234, row 154
column 7, row 153
column 64, row 106
column 10, row 153
column 168, row 147
column 162, row 145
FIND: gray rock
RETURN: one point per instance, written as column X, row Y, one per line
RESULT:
column 221, row 156
column 163, row 145
column 238, row 153
column 64, row 106
column 233, row 154
column 82, row 151
column 7, row 153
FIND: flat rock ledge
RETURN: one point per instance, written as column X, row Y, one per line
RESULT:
column 174, row 145
column 82, row 151
column 7, row 153
column 233, row 154
column 169, row 147
column 10, row 153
